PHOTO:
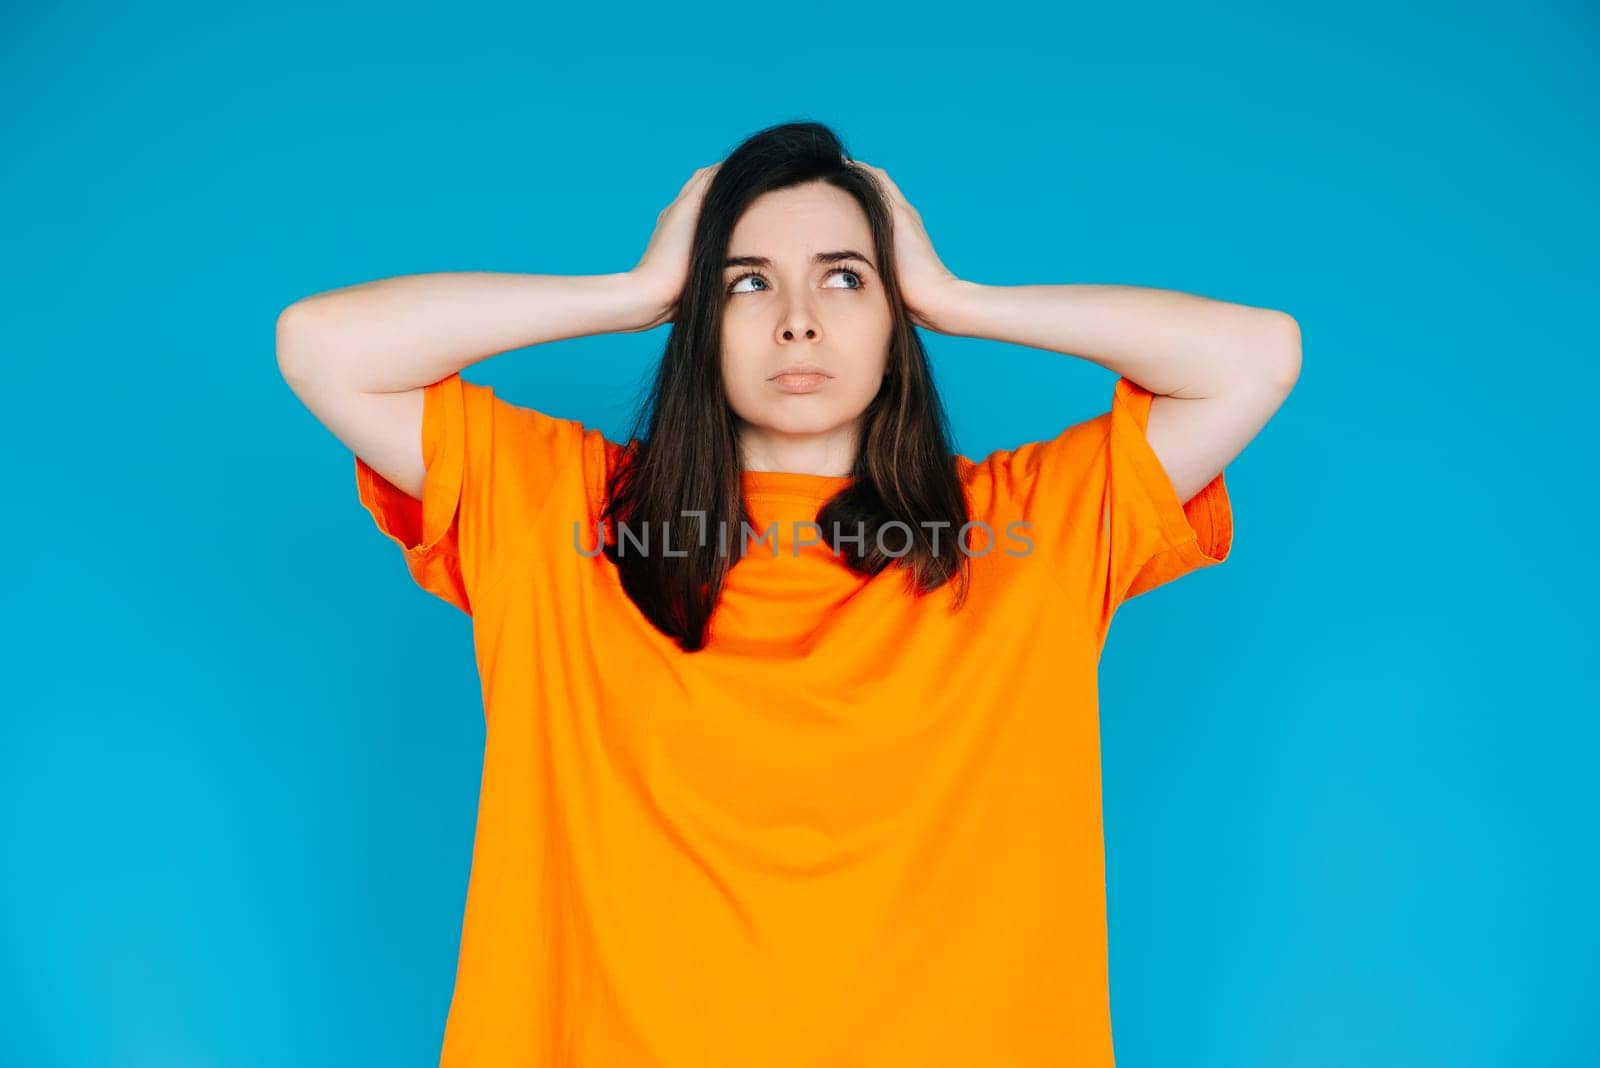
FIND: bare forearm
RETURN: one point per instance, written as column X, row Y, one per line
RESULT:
column 401, row 333
column 1169, row 342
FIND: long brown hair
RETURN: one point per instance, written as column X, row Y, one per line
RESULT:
column 687, row 460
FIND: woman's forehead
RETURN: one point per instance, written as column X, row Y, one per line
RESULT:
column 791, row 225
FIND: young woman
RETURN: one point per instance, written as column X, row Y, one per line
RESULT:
column 792, row 743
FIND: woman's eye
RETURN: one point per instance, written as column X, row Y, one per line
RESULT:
column 753, row 277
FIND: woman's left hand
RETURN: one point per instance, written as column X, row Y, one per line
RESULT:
column 926, row 285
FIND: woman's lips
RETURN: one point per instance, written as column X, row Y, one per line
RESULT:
column 799, row 382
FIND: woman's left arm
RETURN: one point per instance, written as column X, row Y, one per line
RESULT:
column 1219, row 370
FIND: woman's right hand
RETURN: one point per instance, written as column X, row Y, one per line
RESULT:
column 664, row 268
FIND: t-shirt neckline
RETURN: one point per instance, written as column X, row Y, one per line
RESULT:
column 793, row 483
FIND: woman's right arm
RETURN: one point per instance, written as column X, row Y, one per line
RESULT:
column 359, row 357
column 401, row 333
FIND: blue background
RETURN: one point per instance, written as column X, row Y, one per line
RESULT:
column 1350, row 813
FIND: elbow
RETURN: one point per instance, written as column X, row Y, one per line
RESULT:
column 1283, row 351
column 293, row 342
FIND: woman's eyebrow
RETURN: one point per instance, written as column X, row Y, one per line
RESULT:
column 821, row 257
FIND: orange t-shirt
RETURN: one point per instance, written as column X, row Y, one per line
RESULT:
column 855, row 829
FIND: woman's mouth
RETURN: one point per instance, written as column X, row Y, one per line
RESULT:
column 799, row 381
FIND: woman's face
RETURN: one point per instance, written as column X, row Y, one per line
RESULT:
column 794, row 308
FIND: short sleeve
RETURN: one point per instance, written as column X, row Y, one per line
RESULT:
column 1100, row 507
column 1155, row 537
column 491, row 465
